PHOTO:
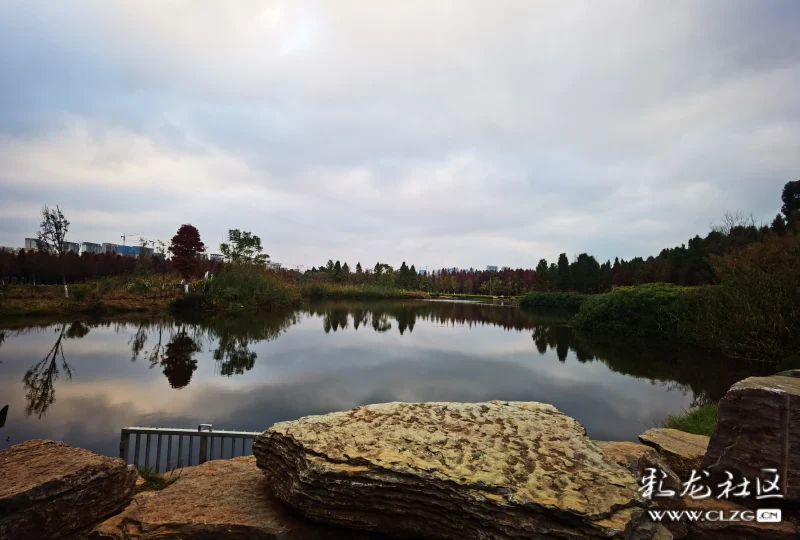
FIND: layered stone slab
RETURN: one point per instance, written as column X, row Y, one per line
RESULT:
column 219, row 500
column 682, row 451
column 758, row 427
column 452, row 470
column 49, row 490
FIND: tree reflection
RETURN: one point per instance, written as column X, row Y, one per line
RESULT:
column 234, row 355
column 39, row 380
column 178, row 362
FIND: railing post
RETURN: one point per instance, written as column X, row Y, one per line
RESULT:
column 203, row 443
column 124, row 441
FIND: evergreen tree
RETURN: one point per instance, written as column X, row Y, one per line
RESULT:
column 345, row 272
column 402, row 277
column 541, row 275
column 337, row 272
column 564, row 282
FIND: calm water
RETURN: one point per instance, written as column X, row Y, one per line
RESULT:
column 81, row 381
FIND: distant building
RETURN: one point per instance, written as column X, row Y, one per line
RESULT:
column 89, row 247
column 423, row 272
column 491, row 269
column 274, row 265
column 9, row 249
column 73, row 247
column 109, row 248
column 215, row 257
column 505, row 268
column 133, row 251
column 453, row 269
column 30, row 243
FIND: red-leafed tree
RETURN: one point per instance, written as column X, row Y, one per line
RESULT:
column 186, row 249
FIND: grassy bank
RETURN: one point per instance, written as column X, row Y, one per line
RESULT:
column 552, row 300
column 107, row 296
column 698, row 420
column 340, row 291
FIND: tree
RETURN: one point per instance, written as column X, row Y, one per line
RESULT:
column 585, row 274
column 402, row 276
column 345, row 272
column 564, row 282
column 791, row 200
column 51, row 238
column 243, row 247
column 542, row 276
column 186, row 248
column 779, row 225
column 337, row 272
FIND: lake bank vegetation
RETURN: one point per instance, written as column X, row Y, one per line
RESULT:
column 699, row 420
column 743, row 298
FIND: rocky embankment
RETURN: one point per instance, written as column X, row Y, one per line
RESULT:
column 495, row 470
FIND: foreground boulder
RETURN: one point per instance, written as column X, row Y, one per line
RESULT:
column 637, row 458
column 452, row 470
column 758, row 427
column 219, row 500
column 682, row 451
column 52, row 490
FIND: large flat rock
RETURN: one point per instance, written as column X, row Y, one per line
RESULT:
column 637, row 458
column 682, row 451
column 758, row 427
column 218, row 500
column 452, row 470
column 52, row 490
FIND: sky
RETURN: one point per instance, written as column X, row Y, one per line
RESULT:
column 440, row 133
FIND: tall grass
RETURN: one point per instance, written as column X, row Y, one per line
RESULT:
column 553, row 300
column 341, row 291
column 239, row 287
column 698, row 420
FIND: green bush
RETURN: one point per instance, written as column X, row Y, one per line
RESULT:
column 239, row 287
column 81, row 291
column 642, row 311
column 552, row 300
column 698, row 420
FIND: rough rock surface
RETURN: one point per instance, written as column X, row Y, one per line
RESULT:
column 637, row 458
column 452, row 470
column 218, row 500
column 758, row 427
column 52, row 490
column 682, row 451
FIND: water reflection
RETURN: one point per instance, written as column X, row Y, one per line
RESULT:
column 40, row 378
column 339, row 355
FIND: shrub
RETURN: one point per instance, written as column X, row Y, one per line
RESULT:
column 239, row 287
column 553, row 300
column 635, row 312
column 81, row 291
column 755, row 311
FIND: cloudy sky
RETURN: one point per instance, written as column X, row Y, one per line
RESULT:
column 443, row 133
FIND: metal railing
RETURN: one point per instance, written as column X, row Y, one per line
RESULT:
column 185, row 454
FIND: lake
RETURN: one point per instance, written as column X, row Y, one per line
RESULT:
column 80, row 381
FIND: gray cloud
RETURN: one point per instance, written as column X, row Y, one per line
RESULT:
column 443, row 134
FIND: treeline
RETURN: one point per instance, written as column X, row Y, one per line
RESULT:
column 688, row 264
column 42, row 267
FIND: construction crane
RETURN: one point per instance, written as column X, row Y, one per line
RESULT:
column 124, row 235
